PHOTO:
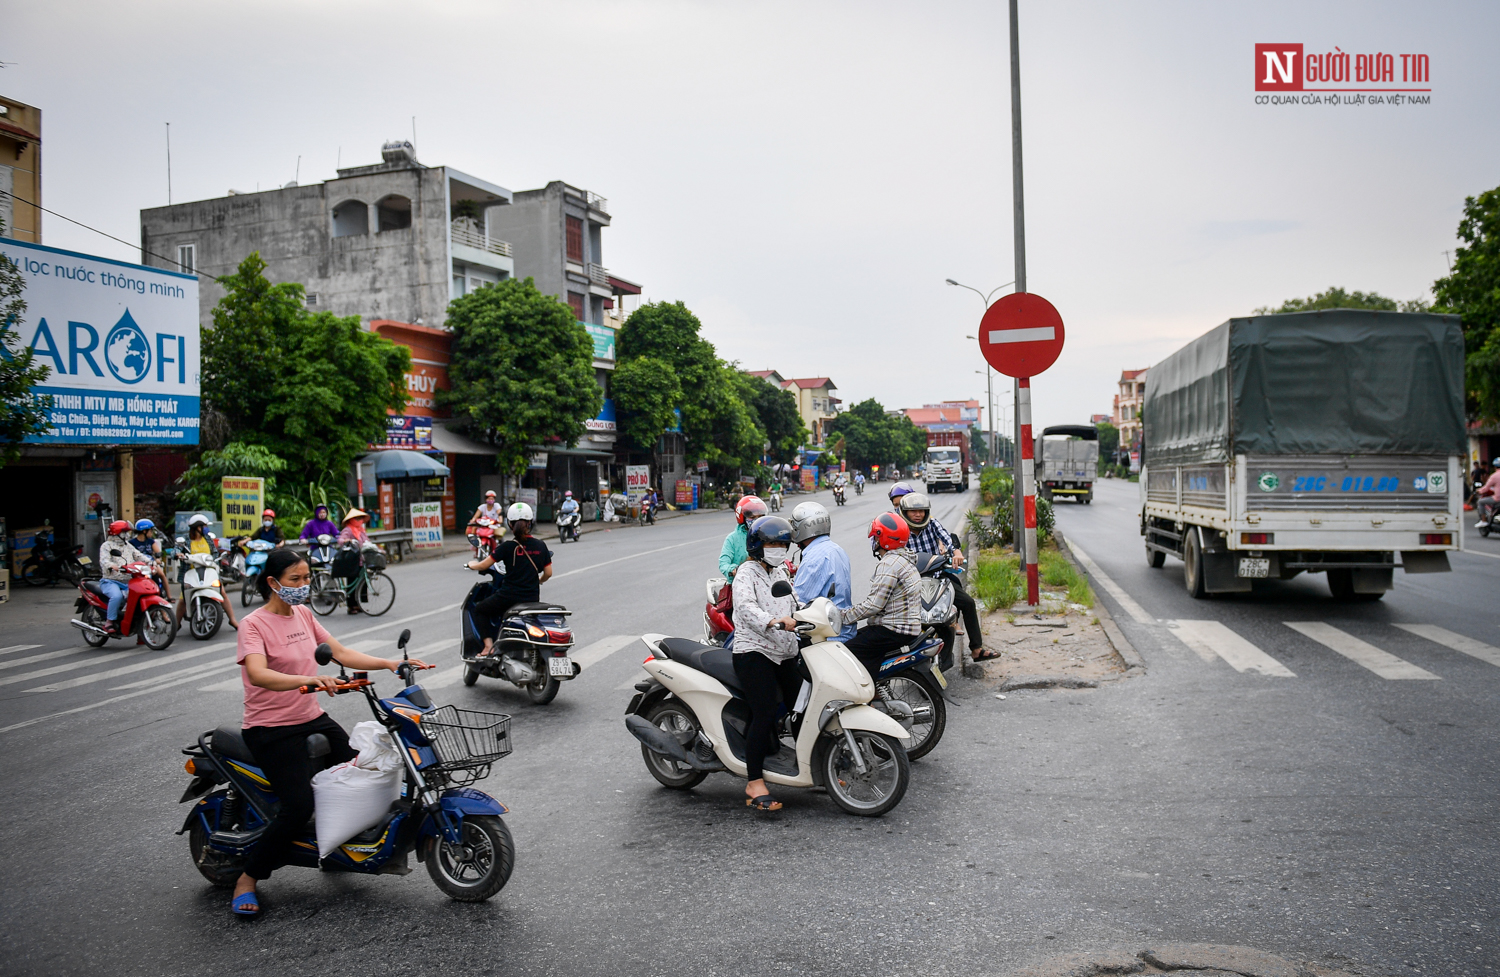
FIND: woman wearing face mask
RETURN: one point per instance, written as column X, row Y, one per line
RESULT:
column 765, row 648
column 276, row 646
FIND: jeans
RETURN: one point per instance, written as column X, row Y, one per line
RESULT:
column 281, row 754
column 115, row 591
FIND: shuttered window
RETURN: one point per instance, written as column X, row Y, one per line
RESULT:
column 575, row 239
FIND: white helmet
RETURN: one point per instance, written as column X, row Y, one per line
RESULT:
column 810, row 519
column 197, row 519
column 519, row 512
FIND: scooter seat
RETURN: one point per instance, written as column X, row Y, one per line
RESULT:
column 711, row 659
column 229, row 741
column 92, row 586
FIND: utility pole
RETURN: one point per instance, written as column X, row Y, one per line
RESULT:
column 1019, row 522
column 169, row 165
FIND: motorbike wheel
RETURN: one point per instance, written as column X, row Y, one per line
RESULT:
column 882, row 785
column 33, row 575
column 471, row 674
column 92, row 616
column 158, row 627
column 480, row 866
column 930, row 712
column 678, row 721
column 206, row 619
column 218, row 875
column 379, row 594
column 543, row 690
column 247, row 592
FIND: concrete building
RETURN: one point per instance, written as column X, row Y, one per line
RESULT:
column 950, row 415
column 394, row 240
column 816, row 403
column 1127, row 413
column 21, row 169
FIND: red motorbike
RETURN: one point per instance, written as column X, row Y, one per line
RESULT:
column 484, row 538
column 718, row 612
column 146, row 614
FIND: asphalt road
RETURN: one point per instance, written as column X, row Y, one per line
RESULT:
column 1333, row 815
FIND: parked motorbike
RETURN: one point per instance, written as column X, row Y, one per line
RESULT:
column 459, row 832
column 49, row 563
column 203, row 593
column 531, row 651
column 485, row 537
column 569, row 526
column 838, row 494
column 146, row 614
column 254, row 563
column 691, row 719
column 231, row 559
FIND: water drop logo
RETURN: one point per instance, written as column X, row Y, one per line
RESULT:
column 126, row 351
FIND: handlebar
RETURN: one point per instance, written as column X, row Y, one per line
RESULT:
column 348, row 686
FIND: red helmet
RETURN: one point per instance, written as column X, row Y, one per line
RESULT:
column 888, row 531
column 749, row 509
column 268, row 514
column 119, row 527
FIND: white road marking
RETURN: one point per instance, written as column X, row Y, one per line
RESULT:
column 236, row 684
column 54, row 669
column 1210, row 638
column 14, row 648
column 95, row 705
column 1382, row 663
column 73, row 683
column 443, row 678
column 1458, row 642
column 1115, row 590
column 595, row 653
column 43, row 657
column 195, row 671
column 659, row 549
column 1493, row 556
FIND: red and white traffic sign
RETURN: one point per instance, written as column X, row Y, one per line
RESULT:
column 1021, row 335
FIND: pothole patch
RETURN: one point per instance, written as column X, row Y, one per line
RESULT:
column 1179, row 960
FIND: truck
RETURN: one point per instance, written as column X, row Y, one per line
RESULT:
column 1314, row 442
column 947, row 461
column 1066, row 464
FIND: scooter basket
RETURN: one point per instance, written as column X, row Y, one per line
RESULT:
column 374, row 560
column 466, row 738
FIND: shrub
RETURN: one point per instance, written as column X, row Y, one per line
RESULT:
column 997, row 581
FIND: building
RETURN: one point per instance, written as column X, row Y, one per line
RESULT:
column 21, row 170
column 951, row 415
column 816, row 403
column 394, row 240
column 1127, row 413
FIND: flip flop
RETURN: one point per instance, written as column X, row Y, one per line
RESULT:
column 242, row 903
column 764, row 802
column 982, row 656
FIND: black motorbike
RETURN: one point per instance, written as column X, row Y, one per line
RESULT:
column 531, row 651
column 48, row 564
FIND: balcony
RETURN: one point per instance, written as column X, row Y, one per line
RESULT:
column 597, row 202
column 466, row 232
column 598, row 274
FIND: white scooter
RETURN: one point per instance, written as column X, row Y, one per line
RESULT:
column 691, row 719
column 568, row 526
column 203, row 593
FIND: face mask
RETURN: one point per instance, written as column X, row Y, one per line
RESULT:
column 774, row 554
column 294, row 595
column 266, row 523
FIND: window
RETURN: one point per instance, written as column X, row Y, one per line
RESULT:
column 351, row 218
column 575, row 239
column 575, row 300
column 458, row 286
column 186, row 258
column 393, row 213
column 312, row 298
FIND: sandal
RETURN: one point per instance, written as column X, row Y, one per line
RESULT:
column 763, row 802
column 980, row 655
column 241, row 904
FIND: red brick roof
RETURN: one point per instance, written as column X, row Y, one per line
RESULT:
column 808, row 383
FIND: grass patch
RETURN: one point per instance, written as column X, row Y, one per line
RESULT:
column 997, row 581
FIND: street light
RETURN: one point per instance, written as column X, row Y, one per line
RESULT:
column 1015, row 462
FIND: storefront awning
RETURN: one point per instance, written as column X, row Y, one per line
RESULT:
column 447, row 440
column 407, row 464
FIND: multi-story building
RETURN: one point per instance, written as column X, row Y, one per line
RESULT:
column 816, row 403
column 1127, row 412
column 21, row 170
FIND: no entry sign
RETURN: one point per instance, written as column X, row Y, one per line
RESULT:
column 1021, row 335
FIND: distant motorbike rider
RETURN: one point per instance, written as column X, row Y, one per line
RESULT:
column 823, row 570
column 318, row 525
column 147, row 541
column 1488, row 496
column 199, row 540
column 569, row 504
column 114, row 553
column 894, row 604
column 269, row 531
column 489, row 509
column 528, row 565
column 734, row 552
column 929, row 536
column 859, row 479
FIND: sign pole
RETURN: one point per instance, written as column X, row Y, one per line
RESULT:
column 1018, row 198
column 1028, row 477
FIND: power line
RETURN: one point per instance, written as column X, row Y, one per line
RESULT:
column 86, row 227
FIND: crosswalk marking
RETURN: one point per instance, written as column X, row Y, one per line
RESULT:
column 593, row 654
column 154, row 662
column 195, row 671
column 1382, row 663
column 95, row 705
column 1458, row 642
column 1213, row 638
column 14, row 648
column 235, row 684
column 43, row 657
column 54, row 669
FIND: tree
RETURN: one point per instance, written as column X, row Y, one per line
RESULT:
column 776, row 413
column 646, row 395
column 1337, row 298
column 21, row 413
column 522, row 370
column 1472, row 290
column 872, row 437
column 1109, row 442
column 199, row 486
column 979, row 445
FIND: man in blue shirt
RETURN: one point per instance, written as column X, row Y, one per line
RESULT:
column 824, row 563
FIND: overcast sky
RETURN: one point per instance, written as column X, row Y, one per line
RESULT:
column 804, row 175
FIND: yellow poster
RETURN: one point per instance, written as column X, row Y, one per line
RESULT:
column 243, row 500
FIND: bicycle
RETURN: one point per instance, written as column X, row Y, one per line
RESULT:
column 376, row 591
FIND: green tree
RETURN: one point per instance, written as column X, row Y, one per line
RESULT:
column 522, row 370
column 21, row 413
column 646, row 393
column 1337, row 298
column 1472, row 290
column 1109, row 442
column 776, row 413
column 198, row 487
column 873, row 437
column 979, row 445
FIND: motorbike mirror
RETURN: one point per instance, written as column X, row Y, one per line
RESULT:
column 781, row 589
column 324, row 654
column 405, row 637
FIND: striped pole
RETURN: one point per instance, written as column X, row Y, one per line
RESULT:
column 1028, row 488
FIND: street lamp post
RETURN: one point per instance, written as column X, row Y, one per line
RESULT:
column 1015, row 471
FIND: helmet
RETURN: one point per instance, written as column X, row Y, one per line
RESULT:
column 198, row 519
column 568, row 494
column 898, row 490
column 810, row 519
column 119, row 527
column 268, row 514
column 912, row 503
column 767, row 530
column 888, row 532
column 518, row 512
column 748, row 508
column 143, row 525
column 490, row 494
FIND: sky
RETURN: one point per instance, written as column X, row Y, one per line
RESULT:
column 805, row 175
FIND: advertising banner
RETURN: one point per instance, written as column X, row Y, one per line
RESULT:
column 408, row 431
column 604, row 340
column 637, row 482
column 427, row 525
column 684, row 492
column 809, row 477
column 121, row 341
column 243, row 500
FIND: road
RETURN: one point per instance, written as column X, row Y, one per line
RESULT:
column 1333, row 815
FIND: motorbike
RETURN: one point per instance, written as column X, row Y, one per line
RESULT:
column 457, row 831
column 838, row 494
column 484, row 538
column 691, row 719
column 202, row 592
column 775, row 501
column 146, row 614
column 568, row 526
column 231, row 559
column 260, row 549
column 939, row 581
column 48, row 564
column 531, row 651
column 718, row 612
column 859, row 488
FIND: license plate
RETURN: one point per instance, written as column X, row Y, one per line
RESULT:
column 942, row 680
column 1254, row 567
column 560, row 667
column 85, row 560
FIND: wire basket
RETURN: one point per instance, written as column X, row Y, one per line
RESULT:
column 466, row 738
column 374, row 560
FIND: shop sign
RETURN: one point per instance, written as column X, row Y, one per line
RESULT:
column 684, row 492
column 408, row 431
column 537, row 459
column 427, row 525
column 604, row 340
column 702, row 466
column 606, row 419
column 809, row 477
column 243, row 500
column 637, row 482
column 121, row 341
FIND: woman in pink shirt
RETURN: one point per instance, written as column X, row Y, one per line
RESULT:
column 276, row 646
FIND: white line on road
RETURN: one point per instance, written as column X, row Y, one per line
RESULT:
column 95, row 705
column 1458, row 642
column 13, row 648
column 595, row 653
column 73, row 683
column 54, row 669
column 1210, row 638
column 659, row 549
column 194, row 671
column 1115, row 590
column 1382, row 663
column 443, row 678
column 43, row 657
column 1493, row 556
column 235, row 684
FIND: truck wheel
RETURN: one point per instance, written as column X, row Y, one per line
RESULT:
column 1155, row 559
column 1192, row 564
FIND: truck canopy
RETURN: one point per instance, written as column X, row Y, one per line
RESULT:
column 1340, row 382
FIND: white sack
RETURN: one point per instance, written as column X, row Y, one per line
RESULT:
column 354, row 796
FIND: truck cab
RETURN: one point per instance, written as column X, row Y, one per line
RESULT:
column 946, row 466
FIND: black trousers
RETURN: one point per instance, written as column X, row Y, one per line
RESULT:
column 874, row 643
column 281, row 754
column 766, row 684
column 970, row 613
column 493, row 608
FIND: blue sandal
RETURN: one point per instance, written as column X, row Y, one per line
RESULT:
column 244, row 900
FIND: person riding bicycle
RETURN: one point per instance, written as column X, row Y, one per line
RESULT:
column 199, row 541
column 929, row 536
column 115, row 552
column 528, row 565
column 894, row 604
column 269, row 531
column 733, row 553
column 352, row 540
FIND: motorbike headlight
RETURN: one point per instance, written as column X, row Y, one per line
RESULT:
column 940, row 608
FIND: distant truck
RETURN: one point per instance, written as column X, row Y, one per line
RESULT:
column 1318, row 442
column 947, row 461
column 1066, row 464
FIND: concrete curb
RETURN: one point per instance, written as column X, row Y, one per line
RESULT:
column 1016, row 683
column 1134, row 663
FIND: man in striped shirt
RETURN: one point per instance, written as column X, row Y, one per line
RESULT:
column 894, row 604
column 929, row 536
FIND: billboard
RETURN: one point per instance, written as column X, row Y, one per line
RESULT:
column 121, row 341
column 243, row 500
